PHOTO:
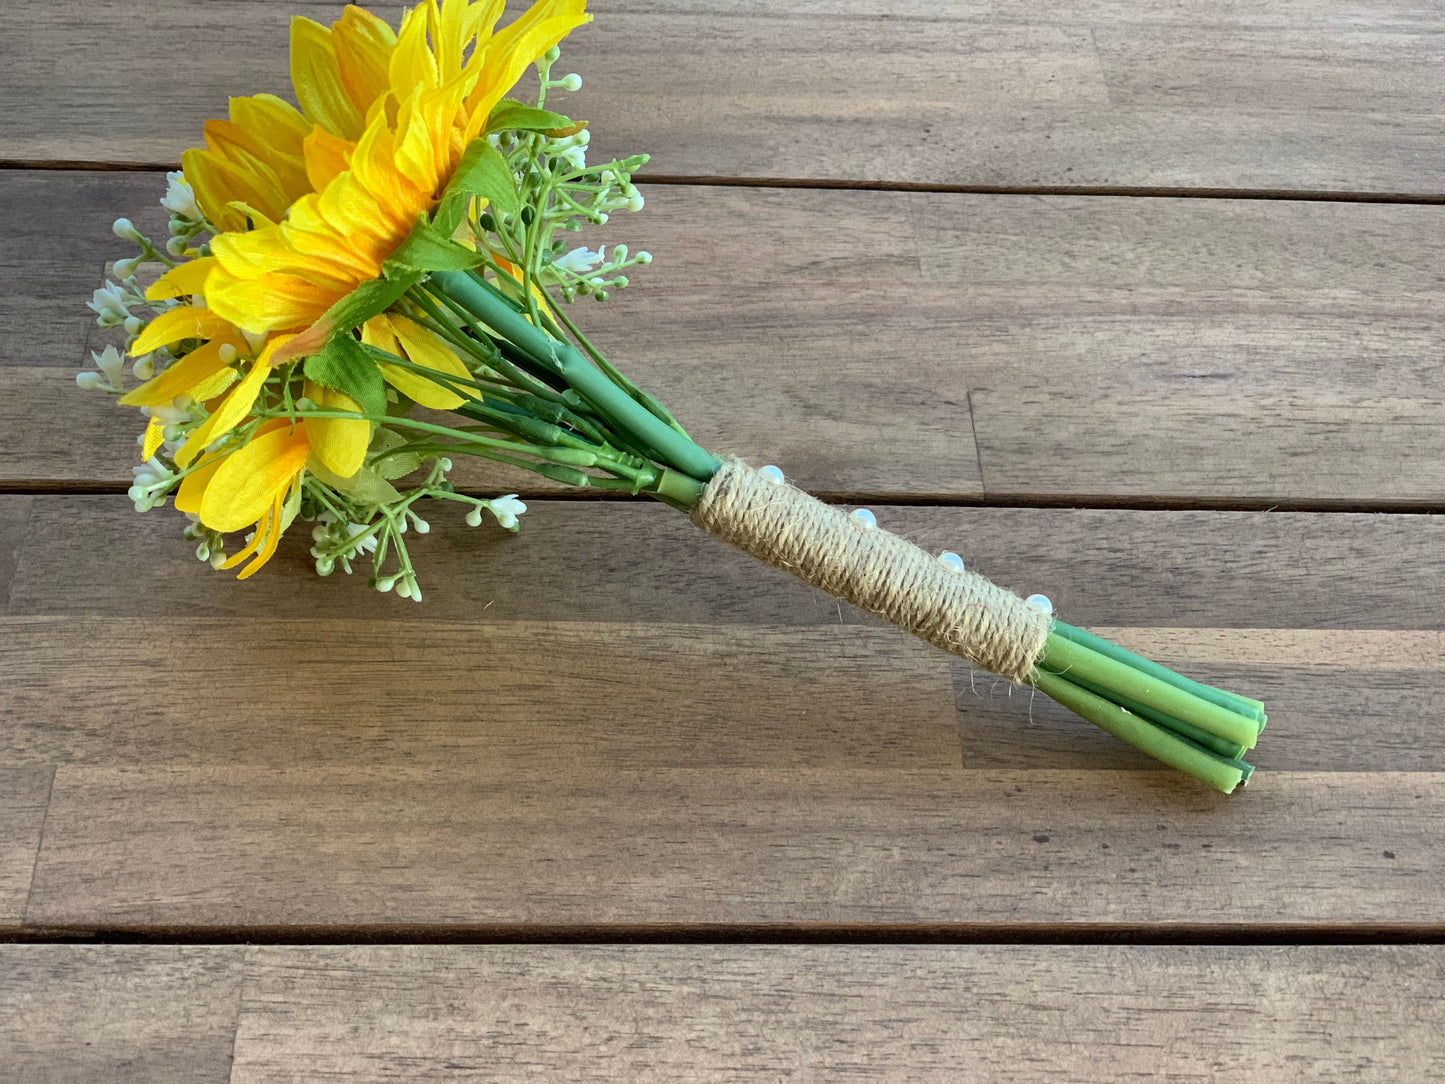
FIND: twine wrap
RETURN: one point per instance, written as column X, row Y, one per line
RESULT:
column 961, row 612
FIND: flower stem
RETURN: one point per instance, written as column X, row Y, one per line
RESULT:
column 1234, row 702
column 1171, row 749
column 492, row 308
column 1064, row 656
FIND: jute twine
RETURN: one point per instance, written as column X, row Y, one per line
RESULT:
column 877, row 571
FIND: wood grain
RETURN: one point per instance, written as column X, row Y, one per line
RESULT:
column 1157, row 348
column 1210, row 446
column 487, row 846
column 140, row 1013
column 566, row 736
column 904, row 1012
column 24, row 795
column 1315, row 94
column 892, row 1012
column 642, row 563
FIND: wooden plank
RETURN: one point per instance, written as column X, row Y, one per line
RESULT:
column 138, row 1013
column 842, row 1012
column 719, row 1012
column 1211, row 447
column 1318, row 94
column 704, row 743
column 24, row 795
column 482, row 844
column 1207, row 318
column 639, row 562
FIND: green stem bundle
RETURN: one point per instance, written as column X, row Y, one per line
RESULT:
column 1195, row 728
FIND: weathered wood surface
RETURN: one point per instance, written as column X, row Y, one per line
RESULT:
column 1169, row 348
column 137, row 1014
column 841, row 1012
column 565, row 736
column 1303, row 94
column 817, row 1012
column 611, row 726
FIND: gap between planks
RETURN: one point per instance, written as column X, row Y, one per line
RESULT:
column 1314, row 195
column 1042, row 502
column 743, row 933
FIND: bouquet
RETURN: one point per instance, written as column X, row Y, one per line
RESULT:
column 357, row 291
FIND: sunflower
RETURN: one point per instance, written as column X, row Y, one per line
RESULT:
column 444, row 74
column 307, row 204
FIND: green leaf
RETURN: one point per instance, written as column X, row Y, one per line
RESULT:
column 342, row 364
column 481, row 172
column 393, row 466
column 427, row 248
column 509, row 115
column 364, row 487
column 368, row 300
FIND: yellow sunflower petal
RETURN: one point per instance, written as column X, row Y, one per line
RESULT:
column 424, row 348
column 340, row 443
column 363, row 45
column 184, row 322
column 412, row 64
column 196, row 442
column 214, row 183
column 183, row 280
column 153, row 439
column 185, row 377
column 316, row 78
column 516, row 46
column 250, row 479
column 193, row 485
column 269, row 532
column 326, row 156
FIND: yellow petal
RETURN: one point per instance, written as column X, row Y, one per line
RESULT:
column 183, row 322
column 515, row 47
column 423, row 348
column 412, row 64
column 196, row 442
column 236, row 406
column 213, row 182
column 250, row 479
column 193, row 485
column 363, row 45
column 316, row 78
column 154, row 437
column 340, row 443
column 184, row 280
column 270, row 531
column 183, row 378
column 326, row 156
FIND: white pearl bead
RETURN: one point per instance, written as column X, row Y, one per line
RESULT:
column 864, row 519
column 951, row 561
column 1040, row 603
column 772, row 474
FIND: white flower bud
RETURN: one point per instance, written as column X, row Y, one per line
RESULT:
column 124, row 229
column 109, row 362
column 179, row 199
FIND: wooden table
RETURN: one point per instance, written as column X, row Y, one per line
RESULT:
column 1136, row 304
